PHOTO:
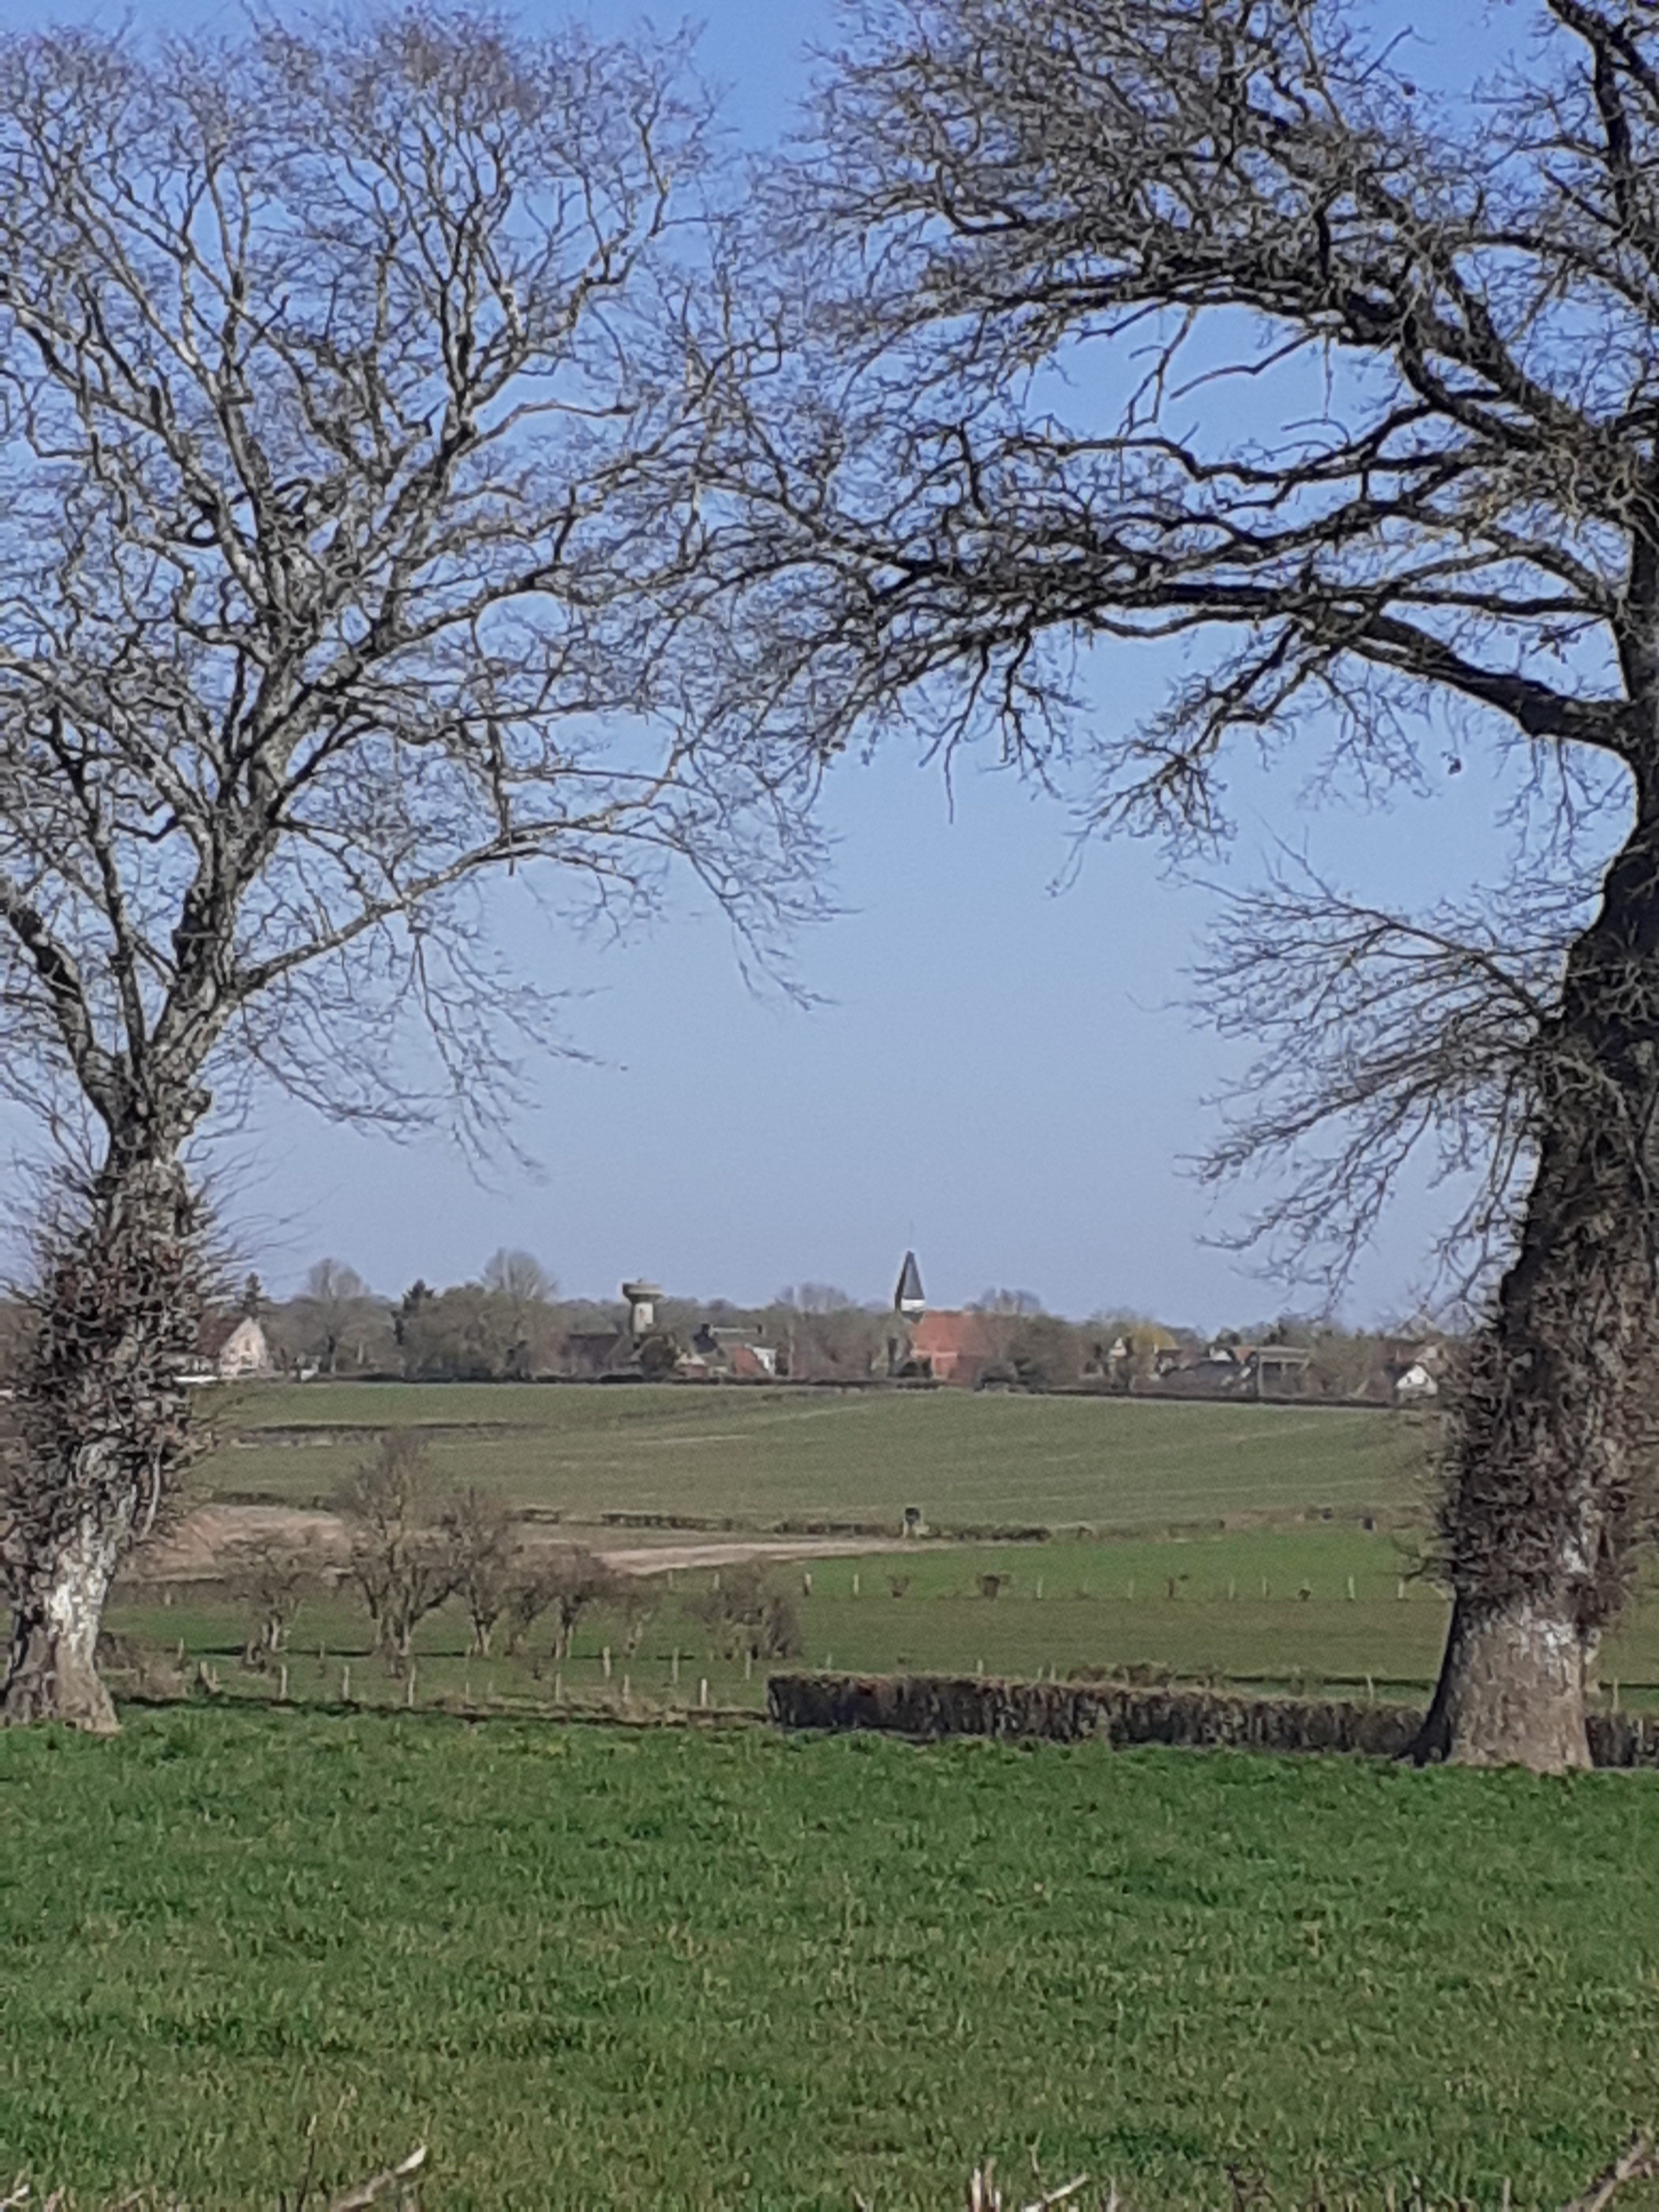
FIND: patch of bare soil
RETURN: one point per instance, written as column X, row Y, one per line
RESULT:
column 197, row 1546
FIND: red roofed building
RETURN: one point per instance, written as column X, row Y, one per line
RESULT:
column 954, row 1347
column 943, row 1347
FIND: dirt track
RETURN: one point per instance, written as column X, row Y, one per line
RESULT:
column 199, row 1545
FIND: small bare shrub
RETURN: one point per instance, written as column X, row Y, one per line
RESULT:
column 636, row 1603
column 745, row 1614
column 567, row 1583
column 272, row 1579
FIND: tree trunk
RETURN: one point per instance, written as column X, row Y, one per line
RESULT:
column 1511, row 1691
column 1550, row 1480
column 51, row 1673
column 104, row 1416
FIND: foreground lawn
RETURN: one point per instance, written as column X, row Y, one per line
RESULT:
column 598, row 1968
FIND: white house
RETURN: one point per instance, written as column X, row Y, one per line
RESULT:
column 232, row 1352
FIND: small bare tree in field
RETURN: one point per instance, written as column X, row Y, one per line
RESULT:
column 635, row 1602
column 483, row 1553
column 348, row 446
column 273, row 1579
column 403, row 1558
column 568, row 1581
column 1199, row 324
column 746, row 1614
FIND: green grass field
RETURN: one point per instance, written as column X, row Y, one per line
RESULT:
column 1229, row 1543
column 760, row 1455
column 598, row 1968
column 1066, row 1605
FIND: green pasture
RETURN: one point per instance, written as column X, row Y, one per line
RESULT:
column 657, row 1968
column 1237, row 1544
column 762, row 1456
column 1327, row 1607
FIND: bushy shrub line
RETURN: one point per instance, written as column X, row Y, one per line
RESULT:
column 1122, row 1713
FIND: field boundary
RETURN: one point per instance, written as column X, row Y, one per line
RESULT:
column 929, row 1706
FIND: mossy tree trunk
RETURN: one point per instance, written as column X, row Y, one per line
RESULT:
column 1550, row 1485
column 104, row 1420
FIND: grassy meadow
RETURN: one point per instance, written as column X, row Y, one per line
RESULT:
column 1223, row 1606
column 759, row 1456
column 1269, row 1545
column 601, row 1966
column 667, row 1968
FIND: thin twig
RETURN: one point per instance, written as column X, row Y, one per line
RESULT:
column 1636, row 2162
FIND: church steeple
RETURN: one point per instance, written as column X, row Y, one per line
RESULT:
column 908, row 1298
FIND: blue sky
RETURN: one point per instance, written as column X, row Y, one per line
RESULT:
column 999, row 1074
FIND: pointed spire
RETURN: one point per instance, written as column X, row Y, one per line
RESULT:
column 908, row 1300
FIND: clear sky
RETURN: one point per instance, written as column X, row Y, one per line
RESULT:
column 999, row 1075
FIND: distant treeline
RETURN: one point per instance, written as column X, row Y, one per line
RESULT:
column 511, row 1324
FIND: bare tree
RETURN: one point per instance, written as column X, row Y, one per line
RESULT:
column 1180, row 321
column 347, row 455
column 636, row 1600
column 1018, row 1305
column 813, row 1297
column 331, row 1306
column 522, row 1288
column 518, row 1276
column 478, row 1531
column 745, row 1613
column 273, row 1579
column 567, row 1581
column 830, row 1339
column 403, row 1557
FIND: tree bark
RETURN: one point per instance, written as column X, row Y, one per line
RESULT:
column 1511, row 1690
column 51, row 1672
column 104, row 1420
column 1550, row 1481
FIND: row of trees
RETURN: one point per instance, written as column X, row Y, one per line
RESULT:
column 507, row 1322
column 414, row 1546
column 421, row 462
column 511, row 1324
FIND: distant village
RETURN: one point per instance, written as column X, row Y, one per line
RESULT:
column 512, row 1326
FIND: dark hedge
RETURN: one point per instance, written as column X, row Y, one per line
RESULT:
column 929, row 1706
